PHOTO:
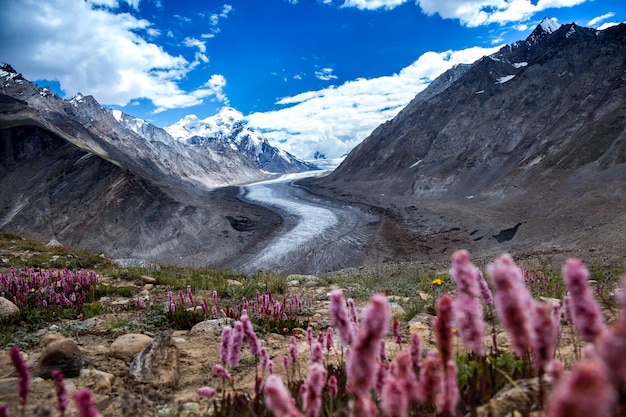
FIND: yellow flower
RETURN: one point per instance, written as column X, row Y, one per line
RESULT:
column 437, row 281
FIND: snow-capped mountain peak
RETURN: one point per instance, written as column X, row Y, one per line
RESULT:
column 228, row 128
column 549, row 25
column 218, row 126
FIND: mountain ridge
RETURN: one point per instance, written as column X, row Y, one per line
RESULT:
column 531, row 138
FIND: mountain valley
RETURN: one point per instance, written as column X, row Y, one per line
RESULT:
column 522, row 151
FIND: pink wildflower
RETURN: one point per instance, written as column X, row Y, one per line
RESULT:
column 363, row 406
column 221, row 372
column 382, row 351
column 317, row 353
column 395, row 330
column 443, row 328
column 225, row 344
column 400, row 388
column 264, row 358
column 555, row 369
column 312, row 398
column 585, row 311
column 309, row 335
column 339, row 316
column 206, row 392
column 235, row 344
column 514, row 304
column 293, row 349
column 251, row 338
column 85, row 403
column 278, row 399
column 4, row 410
column 583, row 392
column 546, row 335
column 415, row 346
column 333, row 388
column 431, row 381
column 61, row 393
column 329, row 339
column 214, row 296
column 468, row 311
column 485, row 291
column 354, row 318
column 360, row 372
column 449, row 396
column 23, row 376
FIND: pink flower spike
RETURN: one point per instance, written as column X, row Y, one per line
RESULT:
column 4, row 410
column 206, row 392
column 360, row 370
column 585, row 311
column 85, row 403
column 339, row 317
column 317, row 353
column 329, row 339
column 546, row 335
column 221, row 372
column 309, row 335
column 225, row 344
column 468, row 311
column 23, row 376
column 443, row 328
column 312, row 398
column 61, row 393
column 415, row 346
column 333, row 388
column 583, row 392
column 235, row 344
column 514, row 304
column 293, row 349
column 278, row 399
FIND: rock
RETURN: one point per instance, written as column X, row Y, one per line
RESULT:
column 128, row 346
column 396, row 309
column 97, row 381
column 64, row 355
column 8, row 311
column 147, row 279
column 51, row 338
column 518, row 399
column 213, row 326
column 54, row 244
column 158, row 364
column 234, row 283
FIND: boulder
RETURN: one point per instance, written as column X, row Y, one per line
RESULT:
column 64, row 355
column 97, row 381
column 158, row 364
column 127, row 346
column 8, row 311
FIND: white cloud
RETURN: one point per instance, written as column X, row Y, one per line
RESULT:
column 373, row 4
column 100, row 52
column 193, row 42
column 335, row 119
column 472, row 12
column 607, row 25
column 482, row 12
column 598, row 19
column 325, row 74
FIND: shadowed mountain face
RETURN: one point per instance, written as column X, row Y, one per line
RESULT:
column 523, row 150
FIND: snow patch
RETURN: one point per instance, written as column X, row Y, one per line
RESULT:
column 479, row 92
column 416, row 164
column 504, row 79
column 6, row 74
column 570, row 32
column 117, row 114
column 520, row 64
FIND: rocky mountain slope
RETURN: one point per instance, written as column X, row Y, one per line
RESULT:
column 70, row 170
column 523, row 150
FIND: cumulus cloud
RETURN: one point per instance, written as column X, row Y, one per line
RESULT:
column 335, row 119
column 482, row 12
column 472, row 12
column 96, row 50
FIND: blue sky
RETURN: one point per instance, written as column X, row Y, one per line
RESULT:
column 312, row 75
